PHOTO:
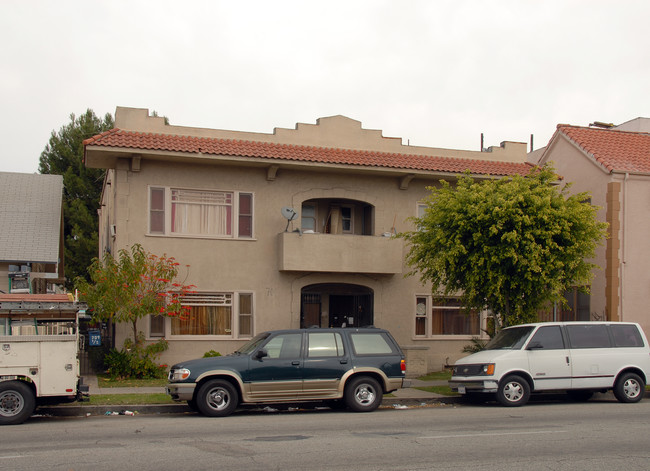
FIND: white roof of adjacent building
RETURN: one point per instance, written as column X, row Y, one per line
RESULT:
column 30, row 217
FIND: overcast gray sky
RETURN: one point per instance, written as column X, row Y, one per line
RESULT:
column 435, row 73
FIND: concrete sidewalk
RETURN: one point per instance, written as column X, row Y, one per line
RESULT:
column 95, row 390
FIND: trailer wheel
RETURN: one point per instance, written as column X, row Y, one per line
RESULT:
column 17, row 402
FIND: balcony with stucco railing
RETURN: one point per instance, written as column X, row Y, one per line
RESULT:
column 339, row 253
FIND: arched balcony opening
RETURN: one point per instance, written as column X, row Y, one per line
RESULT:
column 337, row 216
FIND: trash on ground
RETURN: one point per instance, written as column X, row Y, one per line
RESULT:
column 124, row 412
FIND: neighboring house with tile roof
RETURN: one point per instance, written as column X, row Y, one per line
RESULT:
column 213, row 199
column 31, row 232
column 613, row 165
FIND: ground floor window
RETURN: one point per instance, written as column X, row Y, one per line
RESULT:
column 576, row 308
column 209, row 314
column 435, row 316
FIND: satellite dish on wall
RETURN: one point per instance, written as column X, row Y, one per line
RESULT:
column 289, row 214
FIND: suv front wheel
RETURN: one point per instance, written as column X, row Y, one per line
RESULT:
column 363, row 394
column 217, row 398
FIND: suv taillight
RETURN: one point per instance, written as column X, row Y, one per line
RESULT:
column 402, row 366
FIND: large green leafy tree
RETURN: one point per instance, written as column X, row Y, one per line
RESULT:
column 63, row 155
column 511, row 245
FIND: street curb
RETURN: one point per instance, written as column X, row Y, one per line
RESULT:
column 159, row 409
column 75, row 410
column 141, row 409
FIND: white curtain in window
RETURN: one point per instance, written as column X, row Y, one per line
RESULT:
column 198, row 219
column 202, row 212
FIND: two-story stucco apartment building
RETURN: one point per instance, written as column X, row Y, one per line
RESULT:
column 612, row 163
column 213, row 199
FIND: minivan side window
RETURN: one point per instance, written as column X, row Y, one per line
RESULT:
column 548, row 338
column 588, row 336
column 626, row 335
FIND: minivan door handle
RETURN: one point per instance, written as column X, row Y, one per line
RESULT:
column 295, row 363
column 567, row 361
column 344, row 361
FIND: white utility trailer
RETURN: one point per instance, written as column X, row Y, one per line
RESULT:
column 39, row 354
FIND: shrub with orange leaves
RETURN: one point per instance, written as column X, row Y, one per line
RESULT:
column 133, row 286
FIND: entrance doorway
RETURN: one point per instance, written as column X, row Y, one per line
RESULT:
column 91, row 354
column 336, row 305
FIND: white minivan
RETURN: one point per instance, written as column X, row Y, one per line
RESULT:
column 578, row 357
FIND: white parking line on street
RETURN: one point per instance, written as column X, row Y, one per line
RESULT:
column 492, row 434
column 12, row 457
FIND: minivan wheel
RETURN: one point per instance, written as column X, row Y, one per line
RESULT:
column 629, row 388
column 363, row 394
column 217, row 398
column 513, row 391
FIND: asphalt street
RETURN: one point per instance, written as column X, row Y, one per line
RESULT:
column 544, row 435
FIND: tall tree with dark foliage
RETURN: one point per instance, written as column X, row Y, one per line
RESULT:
column 82, row 188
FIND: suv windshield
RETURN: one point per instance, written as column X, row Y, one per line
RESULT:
column 512, row 338
column 252, row 344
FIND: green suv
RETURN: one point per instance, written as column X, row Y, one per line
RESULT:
column 352, row 366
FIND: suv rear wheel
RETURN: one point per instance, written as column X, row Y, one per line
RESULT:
column 217, row 398
column 363, row 394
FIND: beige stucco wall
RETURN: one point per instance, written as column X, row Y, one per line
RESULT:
column 635, row 256
column 629, row 216
column 333, row 131
column 585, row 176
column 253, row 265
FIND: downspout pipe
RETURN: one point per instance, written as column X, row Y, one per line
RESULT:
column 623, row 244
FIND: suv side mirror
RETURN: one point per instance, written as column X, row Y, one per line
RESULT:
column 535, row 346
column 261, row 353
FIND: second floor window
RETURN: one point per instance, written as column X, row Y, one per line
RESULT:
column 178, row 211
column 308, row 217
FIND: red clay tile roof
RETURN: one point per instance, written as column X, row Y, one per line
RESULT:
column 212, row 146
column 615, row 150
